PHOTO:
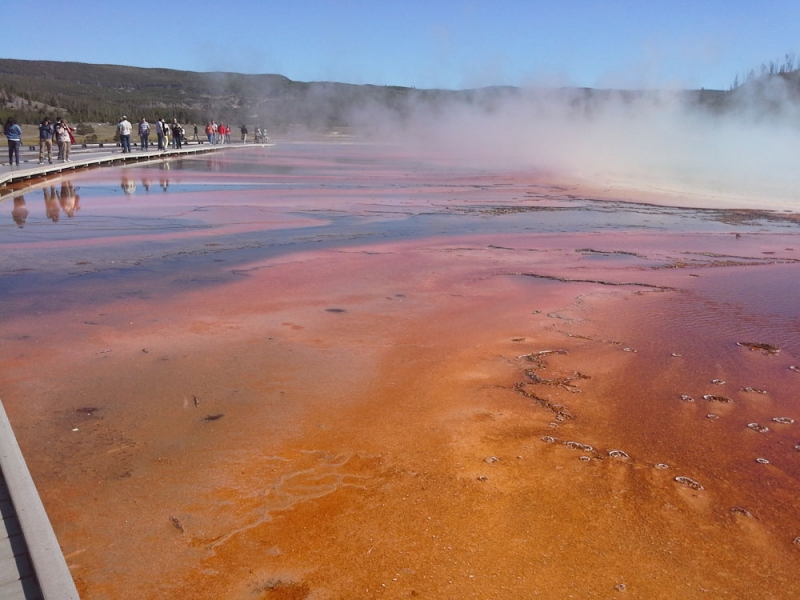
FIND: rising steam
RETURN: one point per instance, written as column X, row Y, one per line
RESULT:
column 743, row 145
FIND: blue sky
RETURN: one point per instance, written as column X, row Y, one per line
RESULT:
column 418, row 43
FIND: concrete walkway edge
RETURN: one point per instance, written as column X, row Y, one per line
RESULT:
column 48, row 560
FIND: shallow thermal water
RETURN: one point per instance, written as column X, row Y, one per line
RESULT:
column 335, row 370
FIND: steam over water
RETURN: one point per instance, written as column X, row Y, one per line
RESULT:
column 740, row 150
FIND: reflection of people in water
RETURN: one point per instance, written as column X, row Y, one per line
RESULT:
column 68, row 198
column 164, row 182
column 20, row 212
column 128, row 185
column 51, row 203
column 146, row 184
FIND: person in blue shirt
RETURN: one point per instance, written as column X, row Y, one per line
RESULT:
column 46, row 132
column 14, row 135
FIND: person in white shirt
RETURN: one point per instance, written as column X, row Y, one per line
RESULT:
column 124, row 127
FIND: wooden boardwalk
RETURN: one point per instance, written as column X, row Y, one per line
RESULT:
column 32, row 566
column 17, row 578
column 108, row 155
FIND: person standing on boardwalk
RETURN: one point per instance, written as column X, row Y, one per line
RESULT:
column 14, row 136
column 55, row 137
column 46, row 132
column 166, row 130
column 166, row 133
column 196, row 139
column 144, row 134
column 176, row 133
column 210, row 133
column 64, row 139
column 244, row 134
column 124, row 127
column 160, row 133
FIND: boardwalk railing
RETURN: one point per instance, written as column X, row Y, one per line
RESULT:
column 49, row 566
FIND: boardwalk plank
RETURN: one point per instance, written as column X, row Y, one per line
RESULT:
column 14, row 568
column 11, row 546
column 21, row 589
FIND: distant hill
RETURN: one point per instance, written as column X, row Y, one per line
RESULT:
column 101, row 93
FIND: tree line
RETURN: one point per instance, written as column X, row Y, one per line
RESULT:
column 785, row 67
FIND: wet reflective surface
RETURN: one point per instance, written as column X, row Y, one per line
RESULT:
column 279, row 374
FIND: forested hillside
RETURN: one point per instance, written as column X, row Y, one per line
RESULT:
column 101, row 93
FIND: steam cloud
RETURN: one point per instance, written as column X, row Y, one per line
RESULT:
column 739, row 147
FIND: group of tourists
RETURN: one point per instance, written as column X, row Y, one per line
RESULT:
column 168, row 134
column 219, row 133
column 61, row 132
column 164, row 131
